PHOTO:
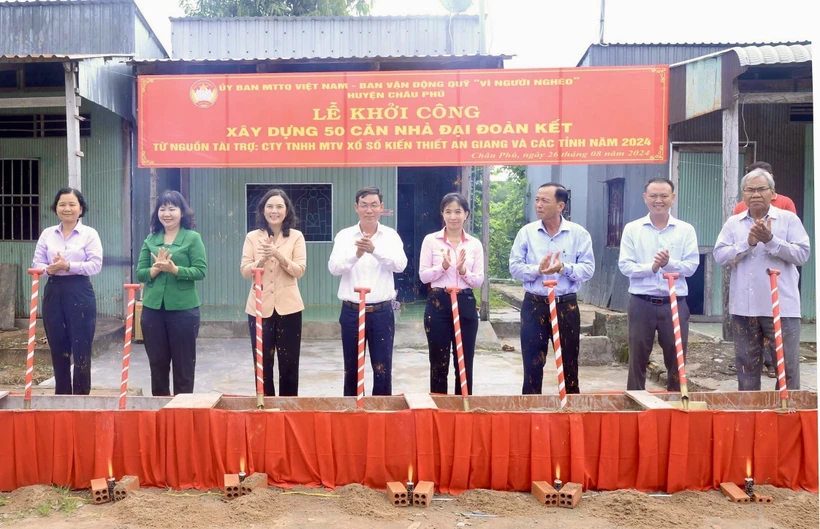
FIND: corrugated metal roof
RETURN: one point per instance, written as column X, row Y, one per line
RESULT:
column 251, row 60
column 632, row 54
column 60, row 58
column 763, row 55
column 53, row 2
column 754, row 55
column 331, row 37
column 728, row 44
column 75, row 26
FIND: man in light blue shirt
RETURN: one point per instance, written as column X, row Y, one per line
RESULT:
column 751, row 242
column 551, row 248
column 650, row 247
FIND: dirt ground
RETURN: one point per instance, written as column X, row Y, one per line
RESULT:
column 717, row 360
column 358, row 507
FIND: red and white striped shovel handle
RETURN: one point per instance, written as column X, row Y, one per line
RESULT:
column 257, row 288
column 556, row 341
column 126, row 348
column 32, row 331
column 778, row 338
column 462, row 369
column 360, row 353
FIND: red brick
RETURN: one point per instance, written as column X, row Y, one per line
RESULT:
column 257, row 480
column 397, row 494
column 545, row 493
column 734, row 493
column 124, row 486
column 99, row 491
column 570, row 495
column 423, row 494
column 759, row 498
column 231, row 486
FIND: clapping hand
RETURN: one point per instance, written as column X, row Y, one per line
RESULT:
column 163, row 263
column 661, row 260
column 760, row 232
column 445, row 256
column 460, row 262
column 59, row 264
column 365, row 244
column 551, row 264
column 270, row 251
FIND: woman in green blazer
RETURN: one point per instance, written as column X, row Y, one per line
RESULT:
column 171, row 259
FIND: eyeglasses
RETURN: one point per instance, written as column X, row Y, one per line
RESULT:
column 755, row 190
column 369, row 206
column 662, row 197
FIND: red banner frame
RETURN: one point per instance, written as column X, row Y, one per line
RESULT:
column 406, row 118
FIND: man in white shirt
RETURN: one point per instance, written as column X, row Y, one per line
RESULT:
column 367, row 255
column 650, row 247
column 760, row 238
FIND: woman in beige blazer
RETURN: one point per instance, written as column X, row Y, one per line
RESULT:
column 280, row 250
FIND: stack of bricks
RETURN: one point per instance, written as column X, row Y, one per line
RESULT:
column 569, row 496
column 124, row 486
column 257, row 480
column 99, row 491
column 545, row 493
column 397, row 494
column 423, row 494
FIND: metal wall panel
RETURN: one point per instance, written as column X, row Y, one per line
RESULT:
column 631, row 55
column 147, row 45
column 110, row 84
column 218, row 198
column 102, row 188
column 67, row 27
column 808, row 285
column 337, row 37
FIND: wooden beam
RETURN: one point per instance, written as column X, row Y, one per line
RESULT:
column 72, row 127
column 730, row 189
column 647, row 400
column 194, row 400
column 35, row 102
column 420, row 401
column 786, row 98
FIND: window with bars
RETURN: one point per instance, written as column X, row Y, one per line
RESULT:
column 615, row 216
column 39, row 126
column 312, row 204
column 19, row 200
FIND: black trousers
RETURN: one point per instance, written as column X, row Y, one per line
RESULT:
column 438, row 325
column 644, row 319
column 380, row 327
column 281, row 337
column 70, row 319
column 536, row 334
column 170, row 339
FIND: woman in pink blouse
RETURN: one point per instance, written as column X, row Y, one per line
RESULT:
column 69, row 253
column 451, row 258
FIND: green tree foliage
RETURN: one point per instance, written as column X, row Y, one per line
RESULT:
column 263, row 8
column 507, row 200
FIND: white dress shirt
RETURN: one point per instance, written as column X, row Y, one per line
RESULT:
column 749, row 289
column 371, row 270
column 641, row 241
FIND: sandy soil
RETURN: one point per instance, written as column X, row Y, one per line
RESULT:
column 356, row 507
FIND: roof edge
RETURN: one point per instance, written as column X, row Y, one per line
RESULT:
column 348, row 17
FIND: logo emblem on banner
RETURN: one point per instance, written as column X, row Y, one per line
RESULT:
column 203, row 93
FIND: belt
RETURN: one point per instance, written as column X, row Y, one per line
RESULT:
column 566, row 298
column 371, row 307
column 465, row 291
column 658, row 300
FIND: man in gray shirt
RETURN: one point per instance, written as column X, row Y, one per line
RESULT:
column 751, row 242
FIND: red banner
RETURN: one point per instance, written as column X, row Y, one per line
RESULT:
column 407, row 118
